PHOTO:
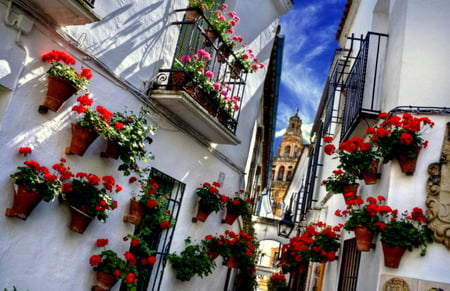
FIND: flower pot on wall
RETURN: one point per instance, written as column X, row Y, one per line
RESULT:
column 202, row 214
column 23, row 203
column 370, row 177
column 235, row 72
column 104, row 282
column 392, row 255
column 82, row 138
column 230, row 217
column 136, row 212
column 79, row 221
column 363, row 238
column 58, row 91
column 223, row 54
column 232, row 262
column 113, row 150
column 212, row 255
column 407, row 164
column 349, row 192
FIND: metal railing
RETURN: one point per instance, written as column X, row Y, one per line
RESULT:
column 194, row 36
column 90, row 2
column 361, row 86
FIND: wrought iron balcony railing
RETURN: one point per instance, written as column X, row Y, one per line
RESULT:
column 195, row 35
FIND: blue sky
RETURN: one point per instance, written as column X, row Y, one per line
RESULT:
column 309, row 29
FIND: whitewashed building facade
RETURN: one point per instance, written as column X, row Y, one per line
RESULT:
column 129, row 46
column 393, row 58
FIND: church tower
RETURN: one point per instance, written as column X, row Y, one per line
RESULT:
column 284, row 162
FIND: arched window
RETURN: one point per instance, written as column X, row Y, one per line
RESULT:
column 289, row 176
column 287, row 150
column 280, row 173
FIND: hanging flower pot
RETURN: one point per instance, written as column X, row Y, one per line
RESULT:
column 105, row 282
column 392, row 255
column 236, row 70
column 210, row 37
column 407, row 164
column 136, row 212
column 113, row 150
column 202, row 214
column 212, row 255
column 82, row 138
column 363, row 238
column 223, row 54
column 349, row 192
column 230, row 217
column 58, row 91
column 192, row 13
column 23, row 203
column 370, row 176
column 79, row 221
column 232, row 262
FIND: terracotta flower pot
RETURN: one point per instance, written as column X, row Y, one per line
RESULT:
column 113, row 150
column 349, row 192
column 23, row 203
column 105, row 282
column 230, row 217
column 58, row 91
column 82, row 138
column 231, row 262
column 210, row 37
column 392, row 255
column 370, row 177
column 212, row 255
column 223, row 54
column 408, row 165
column 79, row 221
column 236, row 70
column 136, row 212
column 202, row 214
column 363, row 238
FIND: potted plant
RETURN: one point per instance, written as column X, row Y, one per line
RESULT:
column 400, row 138
column 242, row 249
column 126, row 139
column 88, row 196
column 193, row 260
column 236, row 207
column 223, row 23
column 216, row 246
column 355, row 156
column 341, row 182
column 319, row 243
column 210, row 200
column 245, row 61
column 63, row 80
column 88, row 126
column 402, row 232
column 33, row 183
column 277, row 282
column 110, row 268
column 364, row 219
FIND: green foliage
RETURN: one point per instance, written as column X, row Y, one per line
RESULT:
column 407, row 230
column 193, row 260
column 336, row 182
column 130, row 131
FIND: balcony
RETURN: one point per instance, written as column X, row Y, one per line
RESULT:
column 184, row 92
column 66, row 12
column 357, row 76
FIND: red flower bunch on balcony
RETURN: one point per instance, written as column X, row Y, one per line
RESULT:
column 339, row 178
column 110, row 263
column 238, row 205
column 319, row 243
column 241, row 246
column 87, row 192
column 61, row 66
column 397, row 135
column 247, row 61
column 355, row 155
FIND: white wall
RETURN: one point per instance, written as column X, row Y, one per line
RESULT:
column 131, row 41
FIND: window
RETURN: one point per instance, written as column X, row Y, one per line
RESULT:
column 289, row 176
column 348, row 277
column 287, row 150
column 150, row 277
column 281, row 173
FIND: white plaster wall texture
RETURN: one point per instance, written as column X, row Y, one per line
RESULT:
column 132, row 41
